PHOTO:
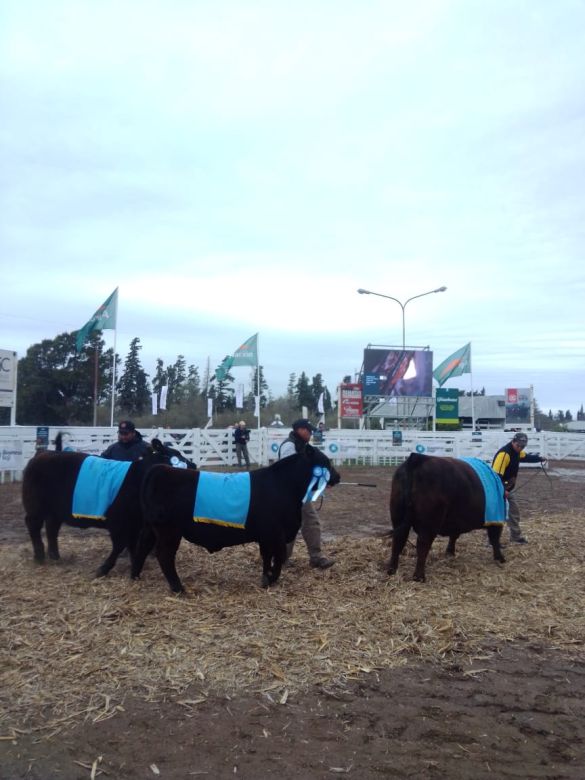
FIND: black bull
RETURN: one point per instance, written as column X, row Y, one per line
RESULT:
column 436, row 496
column 273, row 518
column 47, row 495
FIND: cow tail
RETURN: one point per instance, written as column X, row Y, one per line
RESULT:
column 59, row 442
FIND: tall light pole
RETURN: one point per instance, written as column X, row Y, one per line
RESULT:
column 402, row 305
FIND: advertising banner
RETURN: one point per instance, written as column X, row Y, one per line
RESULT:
column 7, row 377
column 350, row 401
column 447, row 406
column 518, row 403
column 396, row 372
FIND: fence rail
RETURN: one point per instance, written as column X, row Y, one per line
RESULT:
column 213, row 447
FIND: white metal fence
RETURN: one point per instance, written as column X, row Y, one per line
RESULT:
column 212, row 447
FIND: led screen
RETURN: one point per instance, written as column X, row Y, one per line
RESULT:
column 396, row 372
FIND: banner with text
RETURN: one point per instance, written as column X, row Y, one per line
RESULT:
column 447, row 406
column 350, row 401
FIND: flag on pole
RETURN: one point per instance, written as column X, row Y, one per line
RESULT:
column 456, row 364
column 240, row 396
column 162, row 404
column 247, row 353
column 103, row 319
column 320, row 404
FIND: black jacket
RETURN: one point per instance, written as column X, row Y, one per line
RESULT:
column 132, row 450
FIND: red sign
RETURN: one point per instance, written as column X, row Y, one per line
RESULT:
column 350, row 400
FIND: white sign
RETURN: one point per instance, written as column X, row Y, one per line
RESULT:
column 7, row 377
column 11, row 456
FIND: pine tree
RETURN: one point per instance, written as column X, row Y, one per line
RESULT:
column 303, row 393
column 133, row 392
column 179, row 380
column 291, row 387
column 192, row 384
column 264, row 397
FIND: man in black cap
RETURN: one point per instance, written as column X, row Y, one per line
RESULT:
column 130, row 444
column 297, row 440
column 506, row 463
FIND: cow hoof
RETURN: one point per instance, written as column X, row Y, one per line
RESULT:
column 391, row 570
column 501, row 559
column 418, row 578
column 100, row 573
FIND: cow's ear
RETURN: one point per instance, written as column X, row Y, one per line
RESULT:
column 157, row 445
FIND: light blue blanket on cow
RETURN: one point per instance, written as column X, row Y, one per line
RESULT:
column 495, row 505
column 97, row 486
column 222, row 499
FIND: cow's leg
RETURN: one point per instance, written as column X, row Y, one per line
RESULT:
column 34, row 525
column 423, row 545
column 167, row 544
column 52, row 527
column 399, row 537
column 495, row 535
column 119, row 543
column 143, row 548
column 451, row 544
column 273, row 556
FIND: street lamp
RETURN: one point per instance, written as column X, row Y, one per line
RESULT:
column 402, row 305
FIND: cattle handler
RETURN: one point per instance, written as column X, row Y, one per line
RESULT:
column 297, row 440
column 130, row 444
column 506, row 463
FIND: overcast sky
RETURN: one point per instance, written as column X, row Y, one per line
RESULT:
column 242, row 167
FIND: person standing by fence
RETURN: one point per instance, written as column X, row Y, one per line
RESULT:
column 241, row 438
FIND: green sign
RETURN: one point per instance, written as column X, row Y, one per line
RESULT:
column 447, row 406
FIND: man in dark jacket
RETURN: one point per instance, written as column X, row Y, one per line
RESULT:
column 241, row 438
column 505, row 463
column 297, row 440
column 130, row 444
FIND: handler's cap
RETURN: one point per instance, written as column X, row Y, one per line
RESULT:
column 302, row 423
column 242, row 422
column 520, row 438
column 126, row 426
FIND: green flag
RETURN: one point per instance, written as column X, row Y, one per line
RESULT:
column 103, row 319
column 223, row 369
column 456, row 364
column 247, row 353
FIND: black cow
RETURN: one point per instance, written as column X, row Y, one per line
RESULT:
column 273, row 517
column 436, row 497
column 48, row 486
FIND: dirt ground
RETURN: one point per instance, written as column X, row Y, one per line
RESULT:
column 513, row 709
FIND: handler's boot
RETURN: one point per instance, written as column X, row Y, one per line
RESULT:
column 321, row 563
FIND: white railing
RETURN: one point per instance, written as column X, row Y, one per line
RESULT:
column 213, row 447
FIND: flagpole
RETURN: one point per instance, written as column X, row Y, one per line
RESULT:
column 258, row 375
column 95, row 383
column 471, row 381
column 114, row 363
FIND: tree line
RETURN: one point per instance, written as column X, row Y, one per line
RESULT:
column 59, row 386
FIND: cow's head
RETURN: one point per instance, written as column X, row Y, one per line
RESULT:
column 318, row 458
column 161, row 453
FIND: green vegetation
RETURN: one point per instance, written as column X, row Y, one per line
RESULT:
column 59, row 386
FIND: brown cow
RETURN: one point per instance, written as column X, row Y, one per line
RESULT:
column 438, row 496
